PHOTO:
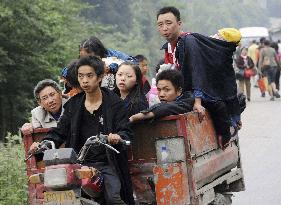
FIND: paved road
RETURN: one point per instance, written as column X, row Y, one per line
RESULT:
column 260, row 141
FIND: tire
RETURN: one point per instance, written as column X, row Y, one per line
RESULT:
column 222, row 199
column 84, row 201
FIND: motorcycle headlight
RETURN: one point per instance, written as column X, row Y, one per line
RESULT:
column 55, row 178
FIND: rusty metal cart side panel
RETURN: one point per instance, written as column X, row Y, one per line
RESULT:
column 201, row 135
column 35, row 191
column 171, row 184
column 214, row 164
column 185, row 132
column 207, row 161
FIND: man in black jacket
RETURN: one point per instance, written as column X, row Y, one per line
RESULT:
column 97, row 110
column 206, row 64
column 170, row 92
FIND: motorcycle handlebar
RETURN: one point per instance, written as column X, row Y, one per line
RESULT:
column 103, row 138
column 125, row 142
column 98, row 139
column 44, row 145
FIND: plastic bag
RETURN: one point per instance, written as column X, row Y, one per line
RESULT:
column 263, row 83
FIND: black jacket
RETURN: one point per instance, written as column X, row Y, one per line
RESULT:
column 206, row 64
column 146, row 86
column 241, row 64
column 135, row 104
column 182, row 104
column 115, row 121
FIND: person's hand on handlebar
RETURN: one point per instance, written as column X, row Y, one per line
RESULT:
column 33, row 147
column 114, row 139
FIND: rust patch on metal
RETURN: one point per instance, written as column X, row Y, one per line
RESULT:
column 171, row 184
column 202, row 136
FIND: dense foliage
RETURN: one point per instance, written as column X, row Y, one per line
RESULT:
column 13, row 180
column 37, row 38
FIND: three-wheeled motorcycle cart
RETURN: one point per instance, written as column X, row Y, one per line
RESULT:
column 173, row 161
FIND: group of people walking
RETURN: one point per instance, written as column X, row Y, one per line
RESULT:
column 262, row 60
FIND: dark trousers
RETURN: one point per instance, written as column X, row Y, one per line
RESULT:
column 112, row 185
column 277, row 79
column 220, row 117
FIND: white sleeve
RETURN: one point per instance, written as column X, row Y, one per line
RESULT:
column 34, row 118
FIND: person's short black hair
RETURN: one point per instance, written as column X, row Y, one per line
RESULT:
column 242, row 48
column 275, row 46
column 174, row 76
column 170, row 9
column 71, row 75
column 140, row 58
column 43, row 84
column 267, row 42
column 262, row 39
column 93, row 61
column 94, row 45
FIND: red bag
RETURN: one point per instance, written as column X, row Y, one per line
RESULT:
column 262, row 82
column 248, row 72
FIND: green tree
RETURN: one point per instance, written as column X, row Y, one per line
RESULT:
column 142, row 37
column 114, row 13
column 37, row 38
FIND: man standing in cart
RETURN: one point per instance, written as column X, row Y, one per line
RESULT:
column 207, row 73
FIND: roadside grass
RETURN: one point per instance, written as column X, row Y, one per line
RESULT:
column 13, row 180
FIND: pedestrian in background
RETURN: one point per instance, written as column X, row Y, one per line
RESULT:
column 261, row 45
column 268, row 65
column 278, row 56
column 252, row 51
column 244, row 63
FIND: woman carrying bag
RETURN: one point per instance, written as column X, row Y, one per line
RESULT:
column 246, row 66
